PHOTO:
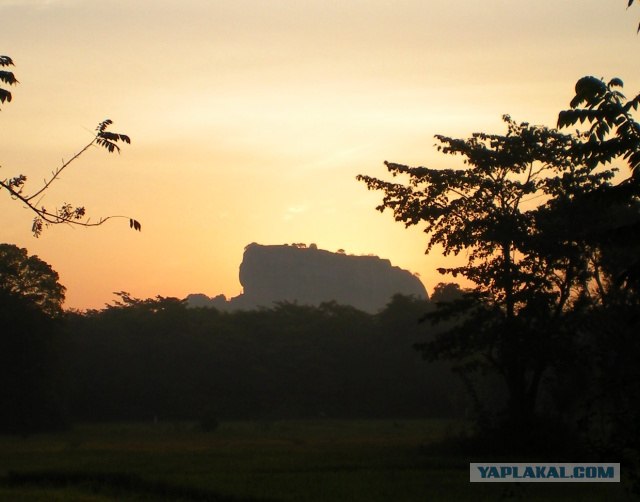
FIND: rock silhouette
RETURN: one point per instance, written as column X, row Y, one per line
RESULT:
column 310, row 276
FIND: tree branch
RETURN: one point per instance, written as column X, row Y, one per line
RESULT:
column 67, row 213
column 57, row 172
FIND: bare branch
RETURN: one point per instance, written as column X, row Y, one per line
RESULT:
column 56, row 173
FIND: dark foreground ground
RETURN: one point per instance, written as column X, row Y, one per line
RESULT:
column 323, row 460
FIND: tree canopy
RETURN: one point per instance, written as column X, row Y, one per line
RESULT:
column 508, row 209
column 31, row 278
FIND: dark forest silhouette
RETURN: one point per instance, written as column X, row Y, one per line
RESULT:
column 158, row 359
column 142, row 359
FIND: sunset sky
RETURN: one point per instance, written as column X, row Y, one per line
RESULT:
column 251, row 119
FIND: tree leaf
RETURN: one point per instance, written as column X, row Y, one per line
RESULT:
column 616, row 82
column 8, row 77
column 5, row 96
column 103, row 125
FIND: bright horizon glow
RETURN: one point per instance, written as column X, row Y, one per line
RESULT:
column 250, row 120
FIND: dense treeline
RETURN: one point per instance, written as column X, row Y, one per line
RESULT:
column 156, row 358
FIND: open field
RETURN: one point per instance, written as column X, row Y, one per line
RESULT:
column 372, row 460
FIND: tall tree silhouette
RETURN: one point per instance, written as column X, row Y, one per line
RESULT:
column 609, row 326
column 30, row 312
column 613, row 135
column 505, row 210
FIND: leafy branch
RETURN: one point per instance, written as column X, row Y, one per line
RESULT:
column 613, row 131
column 7, row 77
column 67, row 213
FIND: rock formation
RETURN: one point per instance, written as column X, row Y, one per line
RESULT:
column 310, row 276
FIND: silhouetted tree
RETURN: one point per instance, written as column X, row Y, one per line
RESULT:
column 503, row 209
column 609, row 323
column 30, row 278
column 446, row 292
column 30, row 308
column 66, row 213
column 614, row 134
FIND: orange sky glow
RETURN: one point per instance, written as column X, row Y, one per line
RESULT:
column 250, row 120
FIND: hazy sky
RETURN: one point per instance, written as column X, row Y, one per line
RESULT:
column 250, row 120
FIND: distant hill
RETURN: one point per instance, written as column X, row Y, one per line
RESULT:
column 310, row 276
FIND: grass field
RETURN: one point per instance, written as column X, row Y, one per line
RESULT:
column 324, row 460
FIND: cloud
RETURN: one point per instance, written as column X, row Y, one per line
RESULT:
column 294, row 211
